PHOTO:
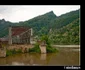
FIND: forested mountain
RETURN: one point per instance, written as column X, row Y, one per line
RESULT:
column 69, row 34
column 40, row 24
column 64, row 19
column 64, row 28
column 4, row 27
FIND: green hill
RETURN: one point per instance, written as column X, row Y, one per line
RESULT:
column 65, row 28
column 40, row 24
column 69, row 34
column 64, row 19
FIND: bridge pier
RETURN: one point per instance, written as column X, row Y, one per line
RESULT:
column 42, row 47
column 2, row 52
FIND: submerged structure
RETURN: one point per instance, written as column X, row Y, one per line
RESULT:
column 20, row 35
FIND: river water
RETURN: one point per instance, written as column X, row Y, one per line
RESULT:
column 65, row 57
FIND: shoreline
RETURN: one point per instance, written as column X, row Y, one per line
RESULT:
column 66, row 46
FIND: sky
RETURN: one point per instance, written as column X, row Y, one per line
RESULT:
column 16, row 13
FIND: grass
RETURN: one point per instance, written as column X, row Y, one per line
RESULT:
column 11, row 52
column 50, row 49
column 35, row 49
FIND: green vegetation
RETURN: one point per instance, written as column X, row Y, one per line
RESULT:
column 8, row 52
column 49, row 48
column 19, row 51
column 65, row 28
column 35, row 49
column 13, row 51
column 48, row 42
column 69, row 34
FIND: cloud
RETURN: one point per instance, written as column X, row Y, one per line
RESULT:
column 15, row 13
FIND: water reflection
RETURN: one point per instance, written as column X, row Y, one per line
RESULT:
column 34, row 59
column 16, row 63
column 43, row 57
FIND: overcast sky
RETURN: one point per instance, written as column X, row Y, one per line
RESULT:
column 16, row 13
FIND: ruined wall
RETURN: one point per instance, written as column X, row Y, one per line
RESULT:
column 10, row 36
column 22, row 38
column 25, row 37
column 16, row 39
column 20, row 35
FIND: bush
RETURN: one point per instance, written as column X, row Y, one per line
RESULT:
column 36, row 48
column 19, row 51
column 11, row 52
column 8, row 52
column 51, row 49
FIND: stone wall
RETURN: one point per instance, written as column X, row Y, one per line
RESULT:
column 2, row 52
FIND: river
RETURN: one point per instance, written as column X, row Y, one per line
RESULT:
column 65, row 57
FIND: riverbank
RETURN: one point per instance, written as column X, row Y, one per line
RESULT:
column 25, row 48
column 14, row 49
column 66, row 46
column 22, row 47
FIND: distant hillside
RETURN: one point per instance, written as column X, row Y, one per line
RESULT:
column 69, row 34
column 40, row 24
column 4, row 27
column 65, row 28
column 64, row 19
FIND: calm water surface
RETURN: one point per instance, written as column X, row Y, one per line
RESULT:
column 63, row 57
